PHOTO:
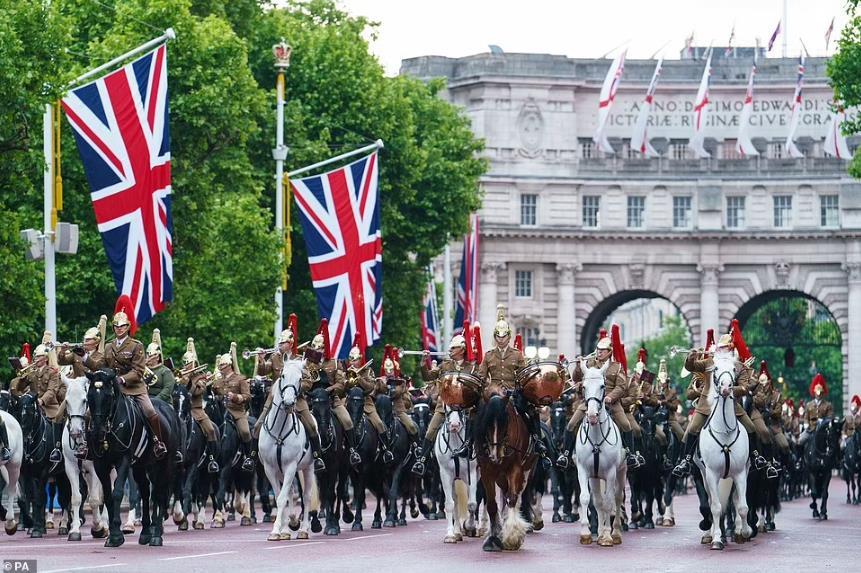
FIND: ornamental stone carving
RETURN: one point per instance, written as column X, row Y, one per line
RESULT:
column 710, row 273
column 854, row 271
column 781, row 274
column 489, row 271
column 530, row 128
column 567, row 271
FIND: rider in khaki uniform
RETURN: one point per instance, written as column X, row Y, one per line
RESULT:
column 397, row 386
column 816, row 408
column 455, row 363
column 764, row 400
column 360, row 374
column 852, row 423
column 163, row 380
column 668, row 398
column 631, row 403
column 89, row 355
column 195, row 378
column 235, row 388
column 24, row 362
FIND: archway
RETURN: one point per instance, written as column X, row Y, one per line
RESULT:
column 798, row 336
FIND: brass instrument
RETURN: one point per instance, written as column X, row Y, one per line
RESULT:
column 592, row 354
column 71, row 345
column 352, row 375
column 149, row 377
column 246, row 354
column 182, row 373
column 402, row 353
column 20, row 370
column 679, row 350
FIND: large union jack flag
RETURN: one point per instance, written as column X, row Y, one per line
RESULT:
column 466, row 307
column 121, row 125
column 340, row 216
column 430, row 318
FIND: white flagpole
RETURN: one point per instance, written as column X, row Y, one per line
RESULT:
column 378, row 144
column 169, row 34
column 282, row 53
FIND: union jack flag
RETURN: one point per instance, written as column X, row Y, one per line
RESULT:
column 466, row 307
column 340, row 216
column 796, row 111
column 430, row 319
column 121, row 126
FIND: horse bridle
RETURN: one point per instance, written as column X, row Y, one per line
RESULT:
column 605, row 437
column 447, row 434
column 290, row 410
column 330, row 428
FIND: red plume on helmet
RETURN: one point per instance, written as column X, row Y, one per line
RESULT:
column 25, row 352
column 856, row 400
column 476, row 337
column 790, row 403
column 618, row 347
column 124, row 304
column 518, row 342
column 763, row 369
column 818, row 380
column 467, row 336
column 710, row 338
column 642, row 355
column 359, row 342
column 324, row 330
column 387, row 353
column 293, row 325
column 602, row 333
column 738, row 341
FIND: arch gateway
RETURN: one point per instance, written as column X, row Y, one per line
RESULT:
column 568, row 231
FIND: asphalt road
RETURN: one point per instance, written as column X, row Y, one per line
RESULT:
column 798, row 542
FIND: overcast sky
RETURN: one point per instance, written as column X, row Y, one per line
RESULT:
column 589, row 28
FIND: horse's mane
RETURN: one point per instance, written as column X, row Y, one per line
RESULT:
column 495, row 413
column 293, row 367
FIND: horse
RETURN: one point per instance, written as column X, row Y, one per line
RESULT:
column 668, row 516
column 331, row 482
column 649, row 483
column 600, row 458
column 565, row 485
column 284, row 451
column 370, row 473
column 851, row 467
column 233, row 481
column 506, row 458
column 459, row 477
column 820, row 456
column 73, row 435
column 723, row 447
column 400, row 442
column 429, row 485
column 40, row 436
column 10, row 470
column 119, row 439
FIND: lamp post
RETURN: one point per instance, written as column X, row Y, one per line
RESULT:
column 281, row 51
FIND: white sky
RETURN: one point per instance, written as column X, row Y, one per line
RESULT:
column 589, row 28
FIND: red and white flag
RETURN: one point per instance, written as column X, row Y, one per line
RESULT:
column 701, row 112
column 835, row 141
column 608, row 96
column 728, row 50
column 689, row 44
column 828, row 34
column 773, row 37
column 640, row 138
column 743, row 144
column 796, row 111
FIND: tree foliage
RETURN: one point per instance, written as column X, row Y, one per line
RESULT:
column 844, row 69
column 221, row 80
column 675, row 332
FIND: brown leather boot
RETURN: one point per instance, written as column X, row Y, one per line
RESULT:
column 158, row 449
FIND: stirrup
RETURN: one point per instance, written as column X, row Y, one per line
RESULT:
column 355, row 458
column 5, row 454
column 159, row 450
column 213, row 466
column 319, row 464
column 562, row 461
column 771, row 472
column 759, row 462
column 419, row 467
column 388, row 456
column 178, row 456
column 682, row 469
column 248, row 464
column 641, row 461
column 56, row 456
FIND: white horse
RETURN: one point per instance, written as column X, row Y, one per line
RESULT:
column 724, row 454
column 600, row 461
column 10, row 471
column 73, row 438
column 459, row 476
column 284, row 451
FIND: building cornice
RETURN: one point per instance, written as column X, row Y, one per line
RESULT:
column 653, row 235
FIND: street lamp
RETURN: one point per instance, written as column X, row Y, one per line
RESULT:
column 281, row 51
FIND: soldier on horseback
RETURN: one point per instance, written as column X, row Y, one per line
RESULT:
column 817, row 408
column 86, row 357
column 195, row 379
column 359, row 374
column 766, row 402
column 233, row 386
column 401, row 399
column 162, row 380
column 668, row 398
column 21, row 366
column 852, row 422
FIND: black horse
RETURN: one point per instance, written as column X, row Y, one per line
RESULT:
column 119, row 439
column 565, row 486
column 368, row 474
column 396, row 472
column 647, row 481
column 331, row 482
column 820, row 456
column 259, row 390
column 41, row 436
column 851, row 467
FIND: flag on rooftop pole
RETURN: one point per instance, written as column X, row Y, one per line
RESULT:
column 828, row 34
column 466, row 305
column 121, row 126
column 743, row 144
column 728, row 50
column 605, row 102
column 835, row 141
column 340, row 215
column 701, row 111
column 796, row 111
column 640, row 138
column 773, row 36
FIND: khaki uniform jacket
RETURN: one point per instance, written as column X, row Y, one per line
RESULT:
column 81, row 364
column 500, row 367
column 792, row 424
column 337, row 378
column 197, row 389
column 768, row 401
column 128, row 361
column 46, row 384
column 814, row 411
column 629, row 400
column 273, row 365
column 238, row 384
column 668, row 396
column 851, row 424
column 162, row 388
column 615, row 382
column 648, row 396
column 701, row 385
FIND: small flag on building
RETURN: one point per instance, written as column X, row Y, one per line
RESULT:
column 701, row 111
column 466, row 306
column 773, row 37
column 835, row 141
column 743, row 144
column 728, row 52
column 796, row 111
column 605, row 103
column 640, row 138
column 828, row 34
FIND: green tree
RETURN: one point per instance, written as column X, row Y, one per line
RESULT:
column 674, row 333
column 844, row 69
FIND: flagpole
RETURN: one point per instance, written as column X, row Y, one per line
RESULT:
column 282, row 52
column 378, row 144
column 169, row 34
column 447, row 299
column 785, row 27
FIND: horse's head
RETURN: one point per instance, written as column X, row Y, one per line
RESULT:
column 76, row 405
column 8, row 403
column 102, row 396
column 647, row 419
column 723, row 376
column 356, row 405
column 181, row 401
column 286, row 390
column 28, row 408
column 593, row 391
column 321, row 406
column 558, row 420
column 259, row 389
column 421, row 414
column 454, row 421
column 384, row 409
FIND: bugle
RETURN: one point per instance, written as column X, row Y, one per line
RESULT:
column 679, row 350
column 402, row 353
column 246, row 354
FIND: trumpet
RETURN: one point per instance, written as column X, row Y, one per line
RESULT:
column 181, row 373
column 592, row 354
column 71, row 345
column 246, row 354
column 679, row 350
column 402, row 353
column 353, row 373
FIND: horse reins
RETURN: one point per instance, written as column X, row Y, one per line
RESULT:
column 596, row 448
column 726, row 448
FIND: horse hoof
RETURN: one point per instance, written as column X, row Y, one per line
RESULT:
column 823, row 516
column 605, row 542
column 332, row 531
column 617, row 538
column 530, row 528
column 586, row 539
column 273, row 537
column 389, row 523
column 633, row 525
column 293, row 524
column 49, row 524
column 128, row 529
column 815, row 514
column 302, row 535
column 402, row 522
column 414, row 512
column 284, row 537
column 63, row 530
column 556, row 518
column 649, row 525
column 570, row 518
column 231, row 517
column 440, row 514
column 35, row 534
column 449, row 539
column 267, row 518
column 11, row 530
column 99, row 533
column 113, row 541
column 482, row 531
column 74, row 536
column 156, row 541
column 198, row 525
column 659, row 521
column 738, row 538
column 432, row 516
column 492, row 544
column 470, row 532
column 183, row 526
column 245, row 522
column 144, row 539
column 769, row 526
column 538, row 525
column 357, row 526
column 761, row 528
column 669, row 522
column 376, row 525
column 217, row 524
column 717, row 545
column 706, row 539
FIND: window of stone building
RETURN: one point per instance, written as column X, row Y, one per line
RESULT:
column 679, row 150
column 636, row 212
column 523, row 284
column 829, row 210
column 782, row 211
column 735, row 212
column 591, row 210
column 776, row 150
column 729, row 150
column 682, row 212
column 529, row 209
column 587, row 148
column 531, row 336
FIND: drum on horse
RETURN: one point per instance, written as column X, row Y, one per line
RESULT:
column 118, row 439
column 600, row 458
column 851, row 467
column 76, row 469
column 331, row 482
column 369, row 474
column 285, row 453
column 565, row 486
column 723, row 448
column 820, row 456
column 459, row 477
column 506, row 457
column 10, row 470
column 41, row 435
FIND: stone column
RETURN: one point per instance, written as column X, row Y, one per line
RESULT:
column 709, row 303
column 566, row 338
column 487, row 300
column 854, row 346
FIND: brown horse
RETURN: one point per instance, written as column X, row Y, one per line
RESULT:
column 506, row 457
